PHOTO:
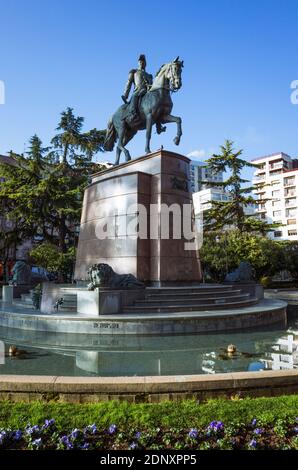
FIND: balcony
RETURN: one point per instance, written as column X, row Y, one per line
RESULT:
column 289, row 182
column 258, row 178
column 277, row 166
column 291, row 202
column 290, row 193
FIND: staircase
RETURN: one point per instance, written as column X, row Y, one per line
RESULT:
column 189, row 299
column 69, row 297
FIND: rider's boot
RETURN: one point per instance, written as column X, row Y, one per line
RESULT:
column 160, row 128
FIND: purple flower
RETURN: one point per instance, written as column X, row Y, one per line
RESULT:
column 75, row 433
column 138, row 435
column 85, row 446
column 254, row 422
column 258, row 431
column 296, row 430
column 193, row 433
column 216, row 426
column 66, row 442
column 112, row 429
column 253, row 443
column 91, row 428
column 133, row 445
column 48, row 423
column 17, row 435
column 37, row 442
column 31, row 430
column 2, row 436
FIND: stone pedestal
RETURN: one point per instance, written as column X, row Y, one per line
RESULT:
column 7, row 294
column 95, row 303
column 154, row 182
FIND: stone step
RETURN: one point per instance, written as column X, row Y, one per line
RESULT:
column 20, row 303
column 197, row 295
column 68, row 308
column 27, row 300
column 191, row 301
column 202, row 290
column 190, row 308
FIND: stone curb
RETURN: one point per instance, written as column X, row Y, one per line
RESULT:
column 147, row 389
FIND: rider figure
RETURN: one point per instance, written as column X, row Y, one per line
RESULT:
column 142, row 82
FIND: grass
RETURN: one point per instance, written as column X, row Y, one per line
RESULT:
column 182, row 414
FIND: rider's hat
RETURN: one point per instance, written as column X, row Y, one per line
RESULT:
column 142, row 58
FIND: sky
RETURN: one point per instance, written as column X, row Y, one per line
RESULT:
column 240, row 58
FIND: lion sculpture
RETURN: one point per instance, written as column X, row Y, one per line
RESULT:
column 102, row 275
column 244, row 273
column 21, row 273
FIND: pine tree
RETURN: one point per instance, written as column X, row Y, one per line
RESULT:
column 231, row 213
column 43, row 192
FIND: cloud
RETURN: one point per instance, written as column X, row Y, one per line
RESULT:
column 199, row 154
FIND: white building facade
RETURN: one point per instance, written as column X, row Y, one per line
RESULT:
column 277, row 188
column 201, row 175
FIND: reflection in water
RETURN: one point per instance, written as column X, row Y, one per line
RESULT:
column 285, row 355
column 73, row 355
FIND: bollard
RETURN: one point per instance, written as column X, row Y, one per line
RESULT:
column 7, row 294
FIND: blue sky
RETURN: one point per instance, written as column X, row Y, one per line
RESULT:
column 240, row 58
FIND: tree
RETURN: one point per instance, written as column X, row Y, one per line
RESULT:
column 291, row 257
column 50, row 258
column 19, row 178
column 231, row 214
column 43, row 193
column 222, row 252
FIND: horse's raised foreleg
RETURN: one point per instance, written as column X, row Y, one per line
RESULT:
column 169, row 118
column 149, row 122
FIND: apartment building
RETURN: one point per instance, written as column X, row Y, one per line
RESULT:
column 201, row 175
column 276, row 179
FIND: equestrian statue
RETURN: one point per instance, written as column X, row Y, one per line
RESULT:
column 150, row 104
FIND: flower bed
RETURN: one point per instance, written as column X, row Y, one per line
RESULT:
column 259, row 423
column 282, row 436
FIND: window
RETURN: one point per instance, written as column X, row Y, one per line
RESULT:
column 278, row 233
column 290, row 192
column 292, row 233
column 275, row 182
column 291, row 221
column 276, row 213
column 276, row 193
column 291, row 202
column 276, row 203
column 289, row 181
column 291, row 212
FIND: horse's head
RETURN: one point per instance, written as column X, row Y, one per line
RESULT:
column 171, row 73
column 174, row 71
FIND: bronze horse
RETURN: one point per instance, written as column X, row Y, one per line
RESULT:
column 155, row 108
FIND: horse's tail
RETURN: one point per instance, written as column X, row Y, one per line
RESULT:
column 111, row 137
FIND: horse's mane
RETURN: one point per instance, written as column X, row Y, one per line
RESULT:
column 160, row 69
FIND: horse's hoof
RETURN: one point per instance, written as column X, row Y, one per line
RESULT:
column 176, row 141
